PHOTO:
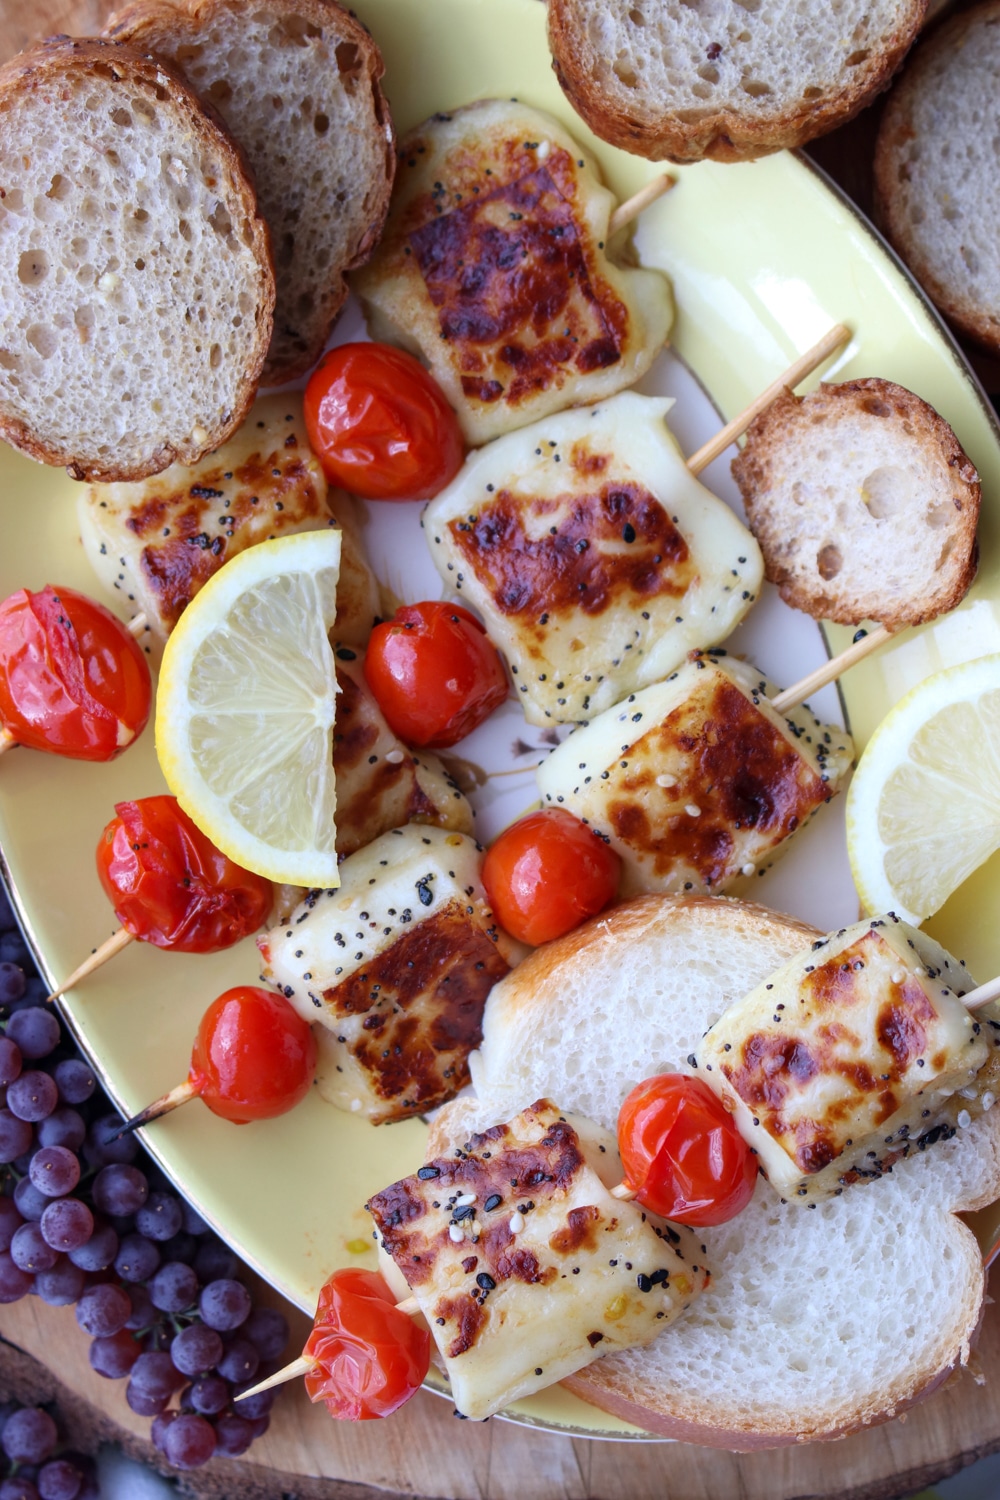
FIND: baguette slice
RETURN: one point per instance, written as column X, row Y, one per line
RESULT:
column 297, row 82
column 136, row 290
column 863, row 502
column 732, row 80
column 816, row 1322
column 935, row 163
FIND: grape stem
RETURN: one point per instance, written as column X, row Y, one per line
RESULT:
column 162, row 1106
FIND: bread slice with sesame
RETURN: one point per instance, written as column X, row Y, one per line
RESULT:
column 733, row 80
column 297, row 83
column 863, row 502
column 136, row 289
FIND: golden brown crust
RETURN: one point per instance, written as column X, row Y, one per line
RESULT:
column 773, row 435
column 60, row 56
column 724, row 135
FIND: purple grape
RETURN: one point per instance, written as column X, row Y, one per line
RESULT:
column 100, row 1149
column 13, row 948
column 259, row 1425
column 143, row 1311
column 19, row 1488
column 215, row 1261
column 224, row 1304
column 10, row 1220
column 99, row 1251
column 36, row 1031
column 16, row 1135
column 63, row 1127
column 59, row 1480
column 233, row 1436
column 32, row 1096
column 67, row 1223
column 154, row 1373
column 174, row 1288
column 30, row 1203
column 160, row 1217
column 103, row 1310
column 210, row 1395
column 180, row 1247
column 8, row 921
column 119, row 1189
column 193, row 1221
column 159, row 1427
column 143, row 1404
column 253, row 1407
column 10, row 1060
column 137, row 1258
column 29, row 1436
column 189, row 1442
column 29, row 1251
column 14, row 1283
column 62, row 1285
column 196, row 1349
column 115, row 1355
column 55, row 1171
column 267, row 1330
column 240, row 1361
column 74, row 1079
column 12, row 983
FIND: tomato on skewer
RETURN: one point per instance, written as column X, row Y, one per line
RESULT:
column 368, row 1356
column 547, row 873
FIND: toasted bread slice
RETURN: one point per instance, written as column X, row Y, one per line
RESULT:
column 732, row 81
column 136, row 293
column 816, row 1322
column 934, row 157
column 297, row 82
column 863, row 502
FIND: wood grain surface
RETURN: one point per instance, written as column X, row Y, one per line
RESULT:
column 424, row 1450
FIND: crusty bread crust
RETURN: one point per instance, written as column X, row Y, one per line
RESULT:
column 48, row 67
column 325, row 32
column 636, row 122
column 939, row 528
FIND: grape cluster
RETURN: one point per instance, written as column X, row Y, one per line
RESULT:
column 28, row 1437
column 87, row 1219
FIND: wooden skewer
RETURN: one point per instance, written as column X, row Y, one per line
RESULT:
column 977, row 998
column 632, row 207
column 138, row 624
column 302, row 1365
column 7, row 741
column 114, row 944
column 800, row 691
column 173, row 1099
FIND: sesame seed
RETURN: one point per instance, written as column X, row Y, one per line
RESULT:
column 516, row 1223
column 456, row 1233
column 692, row 809
column 666, row 780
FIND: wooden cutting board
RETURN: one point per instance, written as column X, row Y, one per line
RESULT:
column 424, row 1451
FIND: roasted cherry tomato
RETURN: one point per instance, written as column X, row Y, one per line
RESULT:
column 254, row 1057
column 72, row 679
column 547, row 873
column 369, row 1357
column 683, row 1156
column 435, row 672
column 380, row 424
column 169, row 884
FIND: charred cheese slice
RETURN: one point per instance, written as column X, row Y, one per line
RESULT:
column 395, row 966
column 493, row 269
column 849, row 1058
column 523, row 1264
column 156, row 542
column 697, row 782
column 595, row 557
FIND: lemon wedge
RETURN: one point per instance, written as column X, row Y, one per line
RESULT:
column 923, row 810
column 245, row 709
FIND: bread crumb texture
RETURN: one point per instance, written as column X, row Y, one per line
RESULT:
column 135, row 283
column 733, row 79
column 935, row 162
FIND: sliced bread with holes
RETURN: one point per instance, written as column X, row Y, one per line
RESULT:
column 817, row 1321
column 136, row 290
column 297, row 82
column 732, row 80
column 936, row 150
column 863, row 503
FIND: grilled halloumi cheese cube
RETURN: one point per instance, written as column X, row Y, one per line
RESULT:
column 524, row 1265
column 395, row 966
column 595, row 557
column 850, row 1057
column 493, row 269
column 697, row 783
column 154, row 543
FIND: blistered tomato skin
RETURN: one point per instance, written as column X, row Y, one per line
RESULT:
column 380, row 425
column 254, row 1057
column 547, row 873
column 435, row 673
column 73, row 682
column 683, row 1156
column 170, row 886
column 369, row 1357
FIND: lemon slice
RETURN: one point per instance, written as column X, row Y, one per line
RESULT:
column 923, row 810
column 245, row 709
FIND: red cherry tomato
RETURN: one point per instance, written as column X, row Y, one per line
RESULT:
column 380, row 424
column 72, row 680
column 370, row 1358
column 170, row 886
column 435, row 672
column 683, row 1156
column 547, row 873
column 254, row 1057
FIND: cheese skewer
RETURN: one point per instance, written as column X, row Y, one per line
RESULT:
column 831, row 670
column 633, row 207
